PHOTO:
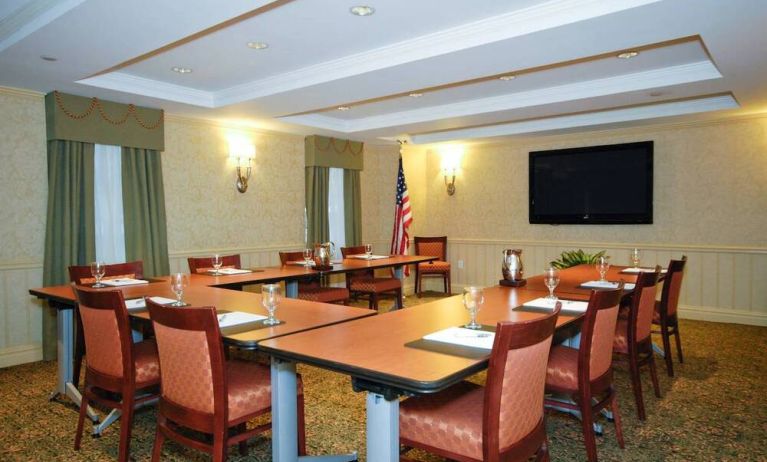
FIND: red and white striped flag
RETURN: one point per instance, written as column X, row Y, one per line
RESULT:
column 402, row 218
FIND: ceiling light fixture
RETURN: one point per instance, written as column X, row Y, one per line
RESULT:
column 628, row 54
column 181, row 70
column 258, row 45
column 507, row 77
column 362, row 10
column 343, row 108
column 415, row 95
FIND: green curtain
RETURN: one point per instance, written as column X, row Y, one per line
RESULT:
column 352, row 207
column 317, row 223
column 70, row 230
column 146, row 236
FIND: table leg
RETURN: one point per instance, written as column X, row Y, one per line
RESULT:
column 291, row 289
column 399, row 273
column 382, row 428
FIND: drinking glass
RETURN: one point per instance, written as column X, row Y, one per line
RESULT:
column 473, row 298
column 270, row 298
column 551, row 279
column 98, row 269
column 307, row 256
column 603, row 264
column 217, row 262
column 368, row 251
column 178, row 282
column 635, row 258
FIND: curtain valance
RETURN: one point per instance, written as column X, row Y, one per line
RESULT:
column 323, row 151
column 93, row 120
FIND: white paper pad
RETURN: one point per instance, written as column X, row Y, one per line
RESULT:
column 237, row 317
column 362, row 256
column 301, row 263
column 138, row 303
column 123, row 282
column 230, row 271
column 640, row 270
column 464, row 337
column 569, row 305
column 607, row 285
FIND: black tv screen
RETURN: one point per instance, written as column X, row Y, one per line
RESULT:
column 593, row 185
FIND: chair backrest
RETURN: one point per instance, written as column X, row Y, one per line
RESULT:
column 643, row 306
column 672, row 287
column 204, row 264
column 516, row 379
column 355, row 250
column 286, row 257
column 81, row 274
column 431, row 246
column 192, row 362
column 597, row 332
column 107, row 333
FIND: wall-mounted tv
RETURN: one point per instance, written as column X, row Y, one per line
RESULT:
column 593, row 185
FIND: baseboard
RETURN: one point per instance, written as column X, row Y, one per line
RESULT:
column 20, row 355
column 715, row 314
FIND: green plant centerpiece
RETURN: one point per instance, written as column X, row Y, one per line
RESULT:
column 570, row 258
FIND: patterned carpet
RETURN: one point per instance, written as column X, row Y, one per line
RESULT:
column 714, row 409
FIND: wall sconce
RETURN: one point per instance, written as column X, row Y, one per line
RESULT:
column 244, row 152
column 449, row 172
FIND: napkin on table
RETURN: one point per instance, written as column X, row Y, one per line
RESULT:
column 464, row 337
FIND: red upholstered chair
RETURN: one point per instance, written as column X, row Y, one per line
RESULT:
column 312, row 289
column 502, row 420
column 585, row 374
column 205, row 264
column 665, row 314
column 119, row 374
column 367, row 284
column 81, row 275
column 632, row 340
column 433, row 247
column 203, row 392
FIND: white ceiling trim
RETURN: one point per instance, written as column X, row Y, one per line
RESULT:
column 153, row 88
column 554, row 13
column 31, row 17
column 674, row 75
column 713, row 103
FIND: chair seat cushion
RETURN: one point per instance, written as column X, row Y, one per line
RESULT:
column 249, row 388
column 621, row 340
column 450, row 420
column 146, row 362
column 323, row 294
column 562, row 370
column 365, row 284
column 436, row 266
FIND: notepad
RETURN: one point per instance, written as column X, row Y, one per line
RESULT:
column 464, row 337
column 363, row 256
column 567, row 305
column 139, row 303
column 230, row 271
column 302, row 263
column 606, row 285
column 121, row 282
column 235, row 318
column 640, row 270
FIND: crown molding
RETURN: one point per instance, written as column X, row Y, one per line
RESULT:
column 21, row 92
column 651, row 111
column 30, row 18
column 208, row 122
column 120, row 81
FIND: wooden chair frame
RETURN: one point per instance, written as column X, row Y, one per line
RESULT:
column 372, row 296
column 201, row 264
column 417, row 241
column 669, row 323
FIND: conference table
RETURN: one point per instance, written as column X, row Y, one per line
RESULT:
column 401, row 363
column 207, row 289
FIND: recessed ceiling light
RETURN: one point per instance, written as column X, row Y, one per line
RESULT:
column 48, row 58
column 181, row 70
column 258, row 45
column 415, row 95
column 628, row 54
column 362, row 10
column 343, row 108
column 507, row 77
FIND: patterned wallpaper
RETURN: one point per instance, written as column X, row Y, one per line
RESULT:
column 710, row 188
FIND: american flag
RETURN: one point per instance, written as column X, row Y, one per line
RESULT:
column 402, row 217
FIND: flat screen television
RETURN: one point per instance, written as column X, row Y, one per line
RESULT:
column 593, row 185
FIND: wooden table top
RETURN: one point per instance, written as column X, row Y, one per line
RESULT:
column 373, row 349
column 571, row 278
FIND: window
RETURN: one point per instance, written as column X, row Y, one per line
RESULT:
column 336, row 221
column 107, row 189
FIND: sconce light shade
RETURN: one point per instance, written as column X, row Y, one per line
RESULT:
column 244, row 152
column 451, row 160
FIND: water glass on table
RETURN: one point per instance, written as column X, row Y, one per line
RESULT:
column 178, row 282
column 551, row 280
column 98, row 269
column 217, row 262
column 368, row 251
column 473, row 298
column 635, row 258
column 270, row 298
column 308, row 254
column 602, row 265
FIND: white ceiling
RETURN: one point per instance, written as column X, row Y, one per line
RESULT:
column 697, row 59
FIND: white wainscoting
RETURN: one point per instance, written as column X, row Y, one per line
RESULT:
column 722, row 284
column 20, row 313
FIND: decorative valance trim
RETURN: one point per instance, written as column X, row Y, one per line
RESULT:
column 92, row 120
column 323, row 151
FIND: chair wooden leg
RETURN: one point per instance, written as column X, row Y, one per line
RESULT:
column 243, row 445
column 219, row 446
column 444, row 281
column 159, row 439
column 301, row 426
column 667, row 350
column 126, row 422
column 418, row 283
column 617, row 421
column 636, row 385
column 449, row 289
column 373, row 301
column 654, row 373
column 80, row 420
column 587, row 423
column 398, row 302
column 543, row 452
column 678, row 340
